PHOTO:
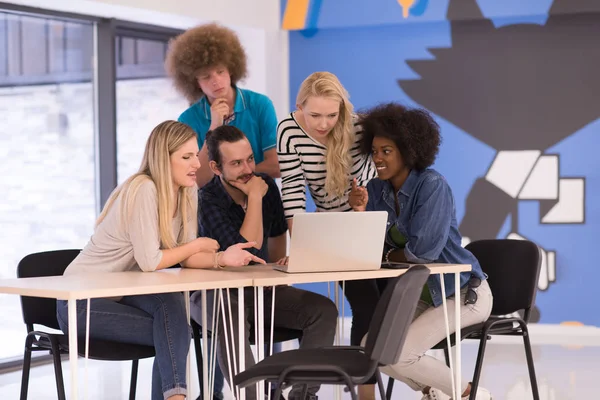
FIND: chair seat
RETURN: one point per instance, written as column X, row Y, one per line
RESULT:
column 354, row 362
column 475, row 331
column 103, row 349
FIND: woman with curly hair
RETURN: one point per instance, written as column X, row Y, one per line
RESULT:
column 422, row 228
column 206, row 64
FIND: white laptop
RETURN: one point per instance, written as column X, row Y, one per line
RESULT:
column 336, row 241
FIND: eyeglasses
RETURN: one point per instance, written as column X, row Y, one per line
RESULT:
column 471, row 296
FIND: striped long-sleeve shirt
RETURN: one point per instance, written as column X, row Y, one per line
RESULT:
column 302, row 163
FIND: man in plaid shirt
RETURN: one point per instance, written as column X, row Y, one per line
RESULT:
column 238, row 206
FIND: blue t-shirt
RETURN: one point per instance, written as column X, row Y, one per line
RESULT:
column 254, row 114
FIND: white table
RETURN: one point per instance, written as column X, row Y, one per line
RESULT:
column 267, row 276
column 92, row 285
column 88, row 286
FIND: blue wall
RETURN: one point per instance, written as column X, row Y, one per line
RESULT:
column 547, row 58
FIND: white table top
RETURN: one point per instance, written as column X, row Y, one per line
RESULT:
column 84, row 286
column 267, row 276
column 116, row 284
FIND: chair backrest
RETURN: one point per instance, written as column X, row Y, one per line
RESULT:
column 38, row 310
column 394, row 314
column 513, row 269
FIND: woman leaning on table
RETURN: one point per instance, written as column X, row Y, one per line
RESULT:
column 422, row 228
column 148, row 224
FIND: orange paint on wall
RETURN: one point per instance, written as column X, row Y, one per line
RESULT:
column 295, row 13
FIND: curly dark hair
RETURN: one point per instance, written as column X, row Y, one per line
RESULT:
column 413, row 130
column 203, row 47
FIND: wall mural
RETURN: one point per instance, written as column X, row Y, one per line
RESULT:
column 521, row 87
column 518, row 99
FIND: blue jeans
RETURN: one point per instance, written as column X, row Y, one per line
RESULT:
column 157, row 320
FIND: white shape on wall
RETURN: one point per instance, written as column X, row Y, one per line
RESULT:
column 542, row 183
column 510, row 170
column 571, row 203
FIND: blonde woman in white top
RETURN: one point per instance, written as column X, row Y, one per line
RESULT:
column 148, row 224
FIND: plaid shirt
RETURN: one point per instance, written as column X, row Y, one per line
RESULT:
column 220, row 218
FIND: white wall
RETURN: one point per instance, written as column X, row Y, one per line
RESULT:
column 255, row 21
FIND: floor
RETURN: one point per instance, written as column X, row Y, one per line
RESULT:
column 566, row 362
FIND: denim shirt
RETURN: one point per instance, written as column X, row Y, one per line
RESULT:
column 428, row 221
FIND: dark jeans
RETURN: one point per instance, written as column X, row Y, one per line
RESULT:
column 157, row 320
column 363, row 297
column 313, row 314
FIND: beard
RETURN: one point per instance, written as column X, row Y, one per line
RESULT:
column 241, row 179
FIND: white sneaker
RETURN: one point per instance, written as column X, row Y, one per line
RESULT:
column 482, row 394
column 434, row 394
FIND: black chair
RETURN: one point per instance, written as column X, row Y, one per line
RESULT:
column 349, row 365
column 513, row 269
column 280, row 335
column 41, row 311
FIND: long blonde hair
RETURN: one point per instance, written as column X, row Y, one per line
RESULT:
column 342, row 137
column 165, row 139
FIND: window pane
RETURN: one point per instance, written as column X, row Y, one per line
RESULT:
column 56, row 46
column 141, row 105
column 35, row 58
column 47, row 163
column 150, row 51
column 13, row 44
column 145, row 98
column 3, row 47
column 79, row 47
column 127, row 55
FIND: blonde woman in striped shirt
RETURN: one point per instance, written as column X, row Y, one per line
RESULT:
column 318, row 147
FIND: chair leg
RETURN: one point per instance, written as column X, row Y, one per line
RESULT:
column 380, row 385
column 390, row 387
column 304, row 392
column 278, row 391
column 530, row 366
column 60, row 384
column 26, row 368
column 133, row 383
column 478, row 365
column 352, row 388
column 447, row 356
column 199, row 359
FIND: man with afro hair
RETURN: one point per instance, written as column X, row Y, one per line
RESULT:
column 206, row 63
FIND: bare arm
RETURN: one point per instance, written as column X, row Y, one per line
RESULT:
column 290, row 222
column 270, row 164
column 277, row 247
column 203, row 174
column 178, row 254
column 200, row 260
column 252, row 228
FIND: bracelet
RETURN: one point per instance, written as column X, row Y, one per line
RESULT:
column 216, row 264
column 387, row 255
